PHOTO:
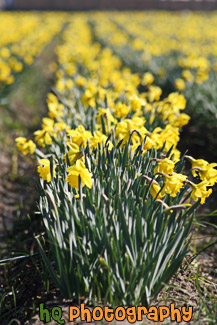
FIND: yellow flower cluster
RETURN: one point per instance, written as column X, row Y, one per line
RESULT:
column 207, row 174
column 107, row 79
column 191, row 36
column 23, row 37
column 44, row 170
column 25, row 146
column 173, row 182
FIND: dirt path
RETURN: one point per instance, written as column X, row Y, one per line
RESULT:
column 20, row 115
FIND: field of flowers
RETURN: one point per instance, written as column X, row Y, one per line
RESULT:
column 180, row 51
column 117, row 194
column 23, row 38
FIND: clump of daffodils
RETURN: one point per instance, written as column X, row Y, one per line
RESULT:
column 121, row 113
column 115, row 200
column 25, row 146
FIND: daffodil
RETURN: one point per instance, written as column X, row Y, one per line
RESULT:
column 44, row 170
column 121, row 110
column 79, row 169
column 99, row 138
column 200, row 191
column 72, row 154
column 147, row 79
column 197, row 163
column 25, row 146
column 165, row 166
column 155, row 191
column 187, row 75
column 178, row 101
column 180, row 84
column 80, row 81
column 79, row 136
column 208, row 173
column 136, row 103
column 179, row 120
column 106, row 115
column 88, row 98
column 173, row 184
column 154, row 93
column 43, row 137
column 169, row 136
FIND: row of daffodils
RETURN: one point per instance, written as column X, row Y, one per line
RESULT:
column 23, row 38
column 159, row 34
column 116, row 204
column 179, row 49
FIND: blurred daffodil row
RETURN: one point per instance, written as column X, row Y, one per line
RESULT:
column 191, row 37
column 98, row 103
column 23, row 38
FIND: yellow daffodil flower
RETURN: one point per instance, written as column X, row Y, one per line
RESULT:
column 79, row 169
column 173, row 184
column 199, row 191
column 44, row 170
column 180, row 84
column 25, row 146
column 147, row 79
column 165, row 166
column 154, row 190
